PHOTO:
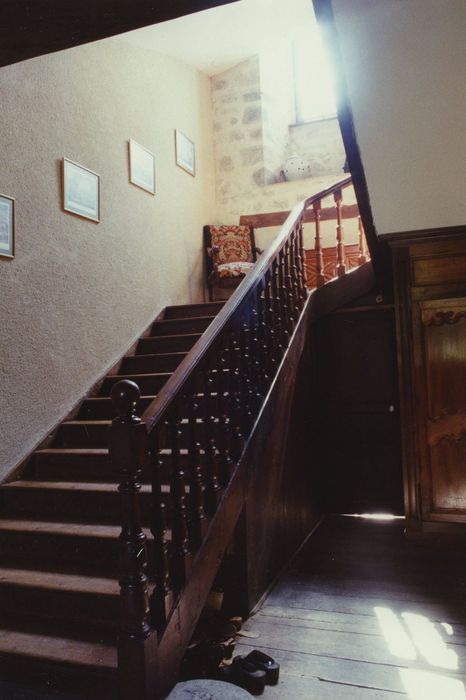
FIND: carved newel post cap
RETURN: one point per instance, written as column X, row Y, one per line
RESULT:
column 125, row 395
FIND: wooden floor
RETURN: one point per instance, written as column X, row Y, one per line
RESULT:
column 364, row 614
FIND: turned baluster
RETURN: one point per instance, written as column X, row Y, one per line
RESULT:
column 341, row 267
column 245, row 372
column 226, row 463
column 197, row 517
column 300, row 258
column 279, row 308
column 320, row 278
column 283, row 291
column 161, row 600
column 212, row 485
column 294, row 272
column 180, row 555
column 236, row 402
column 259, row 364
column 362, row 239
column 269, row 334
column 289, row 283
column 128, row 451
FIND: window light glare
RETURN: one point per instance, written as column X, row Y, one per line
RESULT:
column 425, row 685
column 429, row 641
column 396, row 637
column 374, row 516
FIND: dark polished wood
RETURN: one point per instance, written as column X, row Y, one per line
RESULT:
column 355, row 411
column 128, row 451
column 430, row 286
column 31, row 29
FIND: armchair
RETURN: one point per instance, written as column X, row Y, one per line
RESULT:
column 230, row 252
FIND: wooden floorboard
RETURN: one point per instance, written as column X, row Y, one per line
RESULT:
column 365, row 613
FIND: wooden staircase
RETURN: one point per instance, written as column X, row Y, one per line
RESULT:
column 113, row 532
column 60, row 522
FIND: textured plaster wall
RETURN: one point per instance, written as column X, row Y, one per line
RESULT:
column 78, row 293
column 404, row 65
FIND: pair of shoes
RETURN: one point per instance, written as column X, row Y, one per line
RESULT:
column 251, row 672
column 265, row 663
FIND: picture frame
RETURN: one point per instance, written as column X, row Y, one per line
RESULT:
column 185, row 155
column 81, row 191
column 7, row 227
column 141, row 166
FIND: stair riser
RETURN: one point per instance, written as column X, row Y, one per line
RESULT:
column 100, row 471
column 70, row 506
column 91, row 683
column 148, row 386
column 179, row 326
column 182, row 343
column 186, row 311
column 102, row 408
column 148, row 364
column 97, row 436
column 63, row 553
column 40, row 603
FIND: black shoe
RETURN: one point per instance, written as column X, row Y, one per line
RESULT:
column 265, row 663
column 244, row 674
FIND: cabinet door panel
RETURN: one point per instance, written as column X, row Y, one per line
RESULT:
column 444, row 341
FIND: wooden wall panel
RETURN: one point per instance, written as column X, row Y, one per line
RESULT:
column 431, row 312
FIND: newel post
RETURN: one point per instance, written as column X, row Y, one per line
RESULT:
column 137, row 642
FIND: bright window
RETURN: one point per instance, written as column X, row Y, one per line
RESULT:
column 314, row 81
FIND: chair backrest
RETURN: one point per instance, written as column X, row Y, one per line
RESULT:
column 234, row 243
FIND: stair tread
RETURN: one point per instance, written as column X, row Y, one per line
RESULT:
column 171, row 336
column 59, row 581
column 73, row 450
column 185, row 318
column 109, row 398
column 68, row 486
column 83, row 529
column 132, row 375
column 156, row 355
column 60, row 649
column 87, row 421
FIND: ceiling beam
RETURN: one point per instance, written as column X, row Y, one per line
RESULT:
column 30, row 28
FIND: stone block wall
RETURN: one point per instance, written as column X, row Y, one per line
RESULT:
column 253, row 134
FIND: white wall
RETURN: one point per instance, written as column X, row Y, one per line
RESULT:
column 405, row 63
column 78, row 293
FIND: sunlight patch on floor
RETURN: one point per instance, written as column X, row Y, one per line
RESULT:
column 414, row 637
column 374, row 516
column 425, row 685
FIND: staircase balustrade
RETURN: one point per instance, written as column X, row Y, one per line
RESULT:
column 201, row 422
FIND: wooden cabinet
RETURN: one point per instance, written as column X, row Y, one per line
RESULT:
column 430, row 293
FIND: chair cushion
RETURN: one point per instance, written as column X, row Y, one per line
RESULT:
column 233, row 244
column 234, row 269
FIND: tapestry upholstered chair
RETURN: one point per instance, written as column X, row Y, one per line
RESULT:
column 230, row 252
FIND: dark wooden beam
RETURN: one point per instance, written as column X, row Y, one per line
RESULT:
column 34, row 27
column 278, row 218
column 379, row 250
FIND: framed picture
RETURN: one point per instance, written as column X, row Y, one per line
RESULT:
column 81, row 191
column 141, row 167
column 184, row 151
column 7, row 226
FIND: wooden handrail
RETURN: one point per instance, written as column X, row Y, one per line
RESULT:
column 156, row 410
